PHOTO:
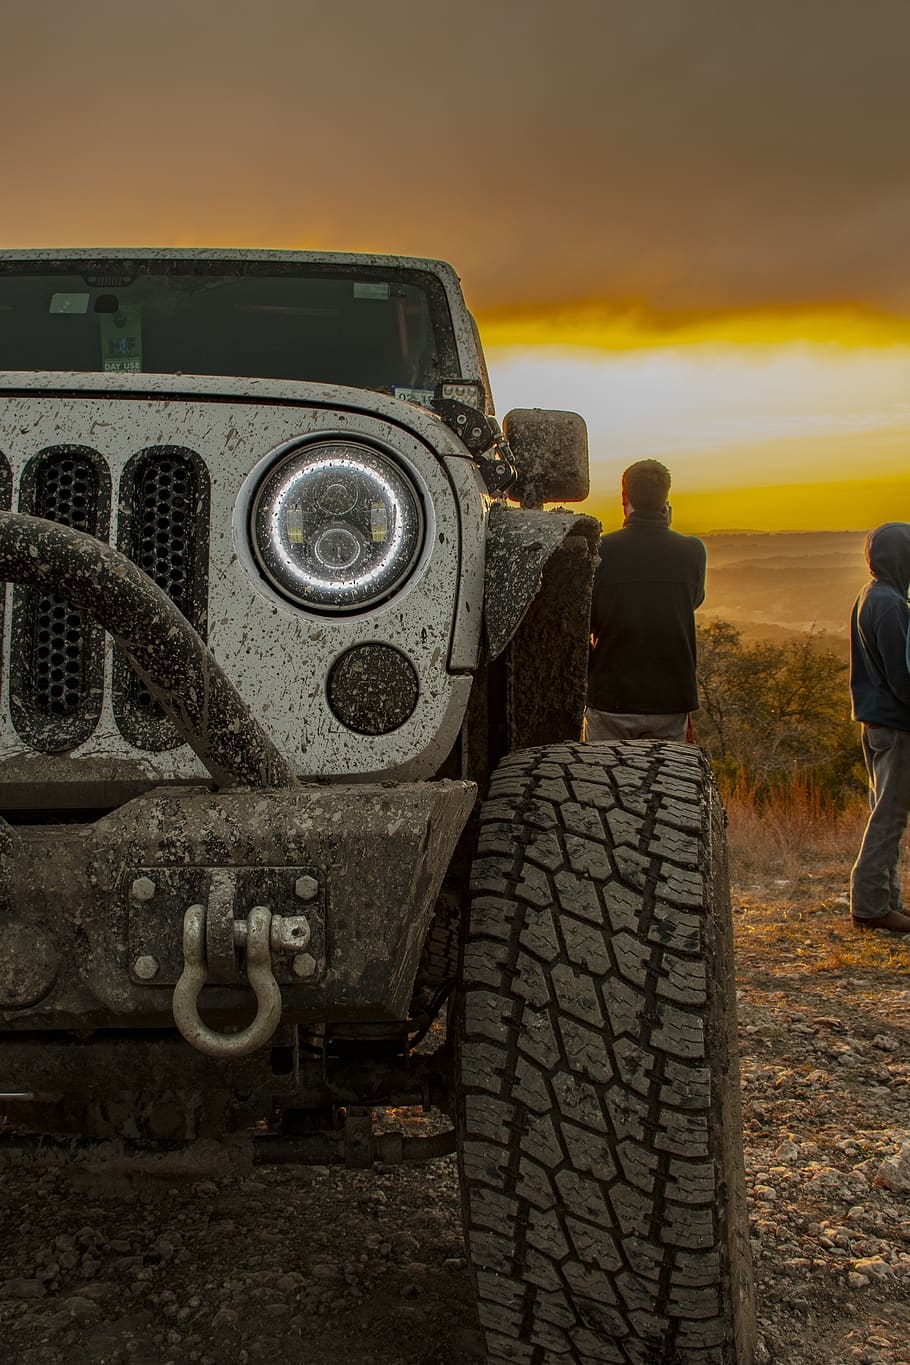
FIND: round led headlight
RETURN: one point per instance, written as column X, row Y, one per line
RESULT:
column 336, row 526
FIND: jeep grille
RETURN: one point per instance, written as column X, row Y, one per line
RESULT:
column 57, row 664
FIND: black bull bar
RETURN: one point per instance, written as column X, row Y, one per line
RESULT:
column 169, row 656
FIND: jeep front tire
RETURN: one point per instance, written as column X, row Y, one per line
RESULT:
column 598, row 1090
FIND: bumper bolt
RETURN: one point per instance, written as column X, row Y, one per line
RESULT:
column 145, row 967
column 305, row 888
column 142, row 889
column 304, row 964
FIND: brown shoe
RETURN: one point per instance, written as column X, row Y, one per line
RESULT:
column 897, row 922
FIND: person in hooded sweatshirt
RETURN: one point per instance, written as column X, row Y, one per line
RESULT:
column 642, row 675
column 880, row 689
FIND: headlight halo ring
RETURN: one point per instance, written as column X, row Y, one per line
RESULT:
column 337, row 525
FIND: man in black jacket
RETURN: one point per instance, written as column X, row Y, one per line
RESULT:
column 880, row 688
column 641, row 681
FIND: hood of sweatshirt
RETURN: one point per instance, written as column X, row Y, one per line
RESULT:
column 888, row 555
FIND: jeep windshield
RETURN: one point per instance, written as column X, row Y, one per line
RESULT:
column 365, row 326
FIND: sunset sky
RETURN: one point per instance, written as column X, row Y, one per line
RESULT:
column 688, row 220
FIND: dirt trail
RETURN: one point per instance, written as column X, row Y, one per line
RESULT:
column 334, row 1268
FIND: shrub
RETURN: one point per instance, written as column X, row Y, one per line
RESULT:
column 775, row 716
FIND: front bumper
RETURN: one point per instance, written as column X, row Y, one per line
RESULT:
column 91, row 916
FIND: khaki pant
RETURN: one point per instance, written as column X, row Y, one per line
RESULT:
column 619, row 725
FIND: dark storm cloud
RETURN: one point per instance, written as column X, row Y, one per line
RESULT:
column 691, row 155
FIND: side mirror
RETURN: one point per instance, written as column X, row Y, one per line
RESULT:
column 550, row 453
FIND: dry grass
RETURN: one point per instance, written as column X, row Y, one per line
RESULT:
column 798, row 937
column 796, row 830
column 790, row 862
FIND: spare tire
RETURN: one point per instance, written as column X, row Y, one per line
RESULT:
column 599, row 1131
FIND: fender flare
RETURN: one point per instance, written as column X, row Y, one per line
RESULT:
column 519, row 544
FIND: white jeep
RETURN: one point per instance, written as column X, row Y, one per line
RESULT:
column 295, row 820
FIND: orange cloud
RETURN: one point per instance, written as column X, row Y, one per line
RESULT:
column 596, row 326
column 693, row 158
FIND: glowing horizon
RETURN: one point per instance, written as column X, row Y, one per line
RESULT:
column 774, row 509
column 772, row 421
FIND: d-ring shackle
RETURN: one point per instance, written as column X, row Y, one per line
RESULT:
column 259, row 973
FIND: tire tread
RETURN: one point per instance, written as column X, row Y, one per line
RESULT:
column 601, row 1170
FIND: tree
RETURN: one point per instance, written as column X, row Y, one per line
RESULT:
column 771, row 712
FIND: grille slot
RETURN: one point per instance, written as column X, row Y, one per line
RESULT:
column 6, row 502
column 57, row 663
column 164, row 528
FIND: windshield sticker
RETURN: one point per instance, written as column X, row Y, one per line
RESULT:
column 121, row 340
column 422, row 396
column 69, row 303
column 365, row 290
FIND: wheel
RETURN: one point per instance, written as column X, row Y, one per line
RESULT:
column 600, row 1151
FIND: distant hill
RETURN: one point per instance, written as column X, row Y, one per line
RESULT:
column 784, row 585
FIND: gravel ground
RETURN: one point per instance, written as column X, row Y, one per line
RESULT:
column 825, row 1041
column 328, row 1267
